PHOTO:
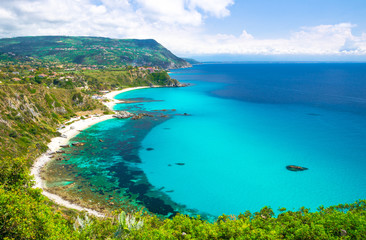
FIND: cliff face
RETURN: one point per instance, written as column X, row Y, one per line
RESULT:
column 90, row 51
column 30, row 114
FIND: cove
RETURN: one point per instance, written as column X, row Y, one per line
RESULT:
column 245, row 123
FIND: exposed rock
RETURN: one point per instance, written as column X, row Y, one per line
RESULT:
column 177, row 84
column 295, row 168
column 65, row 146
column 4, row 122
column 64, row 136
column 100, row 140
column 61, row 110
column 123, row 114
column 60, row 151
column 77, row 144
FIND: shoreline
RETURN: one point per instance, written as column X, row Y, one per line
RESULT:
column 111, row 96
column 67, row 133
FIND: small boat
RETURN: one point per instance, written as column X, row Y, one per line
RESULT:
column 296, row 168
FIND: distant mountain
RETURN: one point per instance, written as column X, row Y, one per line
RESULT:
column 90, row 51
column 192, row 61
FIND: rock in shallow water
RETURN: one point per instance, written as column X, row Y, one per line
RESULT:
column 77, row 144
column 123, row 114
column 180, row 164
column 295, row 168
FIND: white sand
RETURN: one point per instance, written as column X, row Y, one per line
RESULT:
column 68, row 133
column 110, row 96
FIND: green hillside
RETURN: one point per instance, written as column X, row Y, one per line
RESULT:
column 90, row 51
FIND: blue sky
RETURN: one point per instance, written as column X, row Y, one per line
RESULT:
column 205, row 29
column 269, row 18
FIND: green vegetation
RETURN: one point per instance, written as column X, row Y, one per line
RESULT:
column 89, row 51
column 29, row 115
column 87, row 79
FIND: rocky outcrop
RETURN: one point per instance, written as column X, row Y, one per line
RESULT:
column 177, row 84
column 295, row 168
column 123, row 114
column 78, row 144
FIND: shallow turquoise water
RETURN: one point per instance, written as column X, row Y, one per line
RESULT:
column 233, row 152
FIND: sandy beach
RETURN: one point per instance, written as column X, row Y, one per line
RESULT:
column 112, row 101
column 67, row 133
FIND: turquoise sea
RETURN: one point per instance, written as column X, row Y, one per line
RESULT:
column 244, row 124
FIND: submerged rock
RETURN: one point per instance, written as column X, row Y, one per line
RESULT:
column 149, row 149
column 141, row 115
column 180, row 164
column 295, row 168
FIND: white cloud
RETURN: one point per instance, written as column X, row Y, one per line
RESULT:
column 217, row 8
column 169, row 12
column 323, row 39
column 177, row 24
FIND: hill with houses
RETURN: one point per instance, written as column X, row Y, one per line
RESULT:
column 89, row 51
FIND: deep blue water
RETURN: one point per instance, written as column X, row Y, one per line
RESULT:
column 246, row 123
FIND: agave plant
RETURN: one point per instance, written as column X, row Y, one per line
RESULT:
column 127, row 223
column 81, row 223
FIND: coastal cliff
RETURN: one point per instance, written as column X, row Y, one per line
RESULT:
column 30, row 114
